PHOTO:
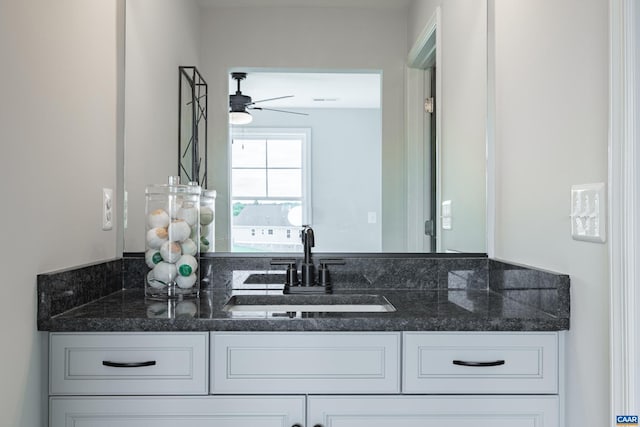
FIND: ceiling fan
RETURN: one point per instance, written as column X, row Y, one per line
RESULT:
column 240, row 103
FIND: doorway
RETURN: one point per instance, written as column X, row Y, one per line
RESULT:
column 423, row 139
column 431, row 178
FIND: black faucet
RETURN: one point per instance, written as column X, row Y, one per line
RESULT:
column 307, row 267
column 308, row 284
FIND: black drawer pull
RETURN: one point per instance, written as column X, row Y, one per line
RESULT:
column 128, row 365
column 478, row 364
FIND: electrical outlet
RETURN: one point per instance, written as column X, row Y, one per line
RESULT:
column 107, row 209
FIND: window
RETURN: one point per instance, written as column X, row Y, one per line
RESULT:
column 269, row 188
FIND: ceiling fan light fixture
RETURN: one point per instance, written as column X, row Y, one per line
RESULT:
column 240, row 117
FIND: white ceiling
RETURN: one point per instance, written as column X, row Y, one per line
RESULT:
column 338, row 90
column 312, row 90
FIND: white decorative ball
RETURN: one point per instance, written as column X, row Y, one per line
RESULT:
column 157, row 310
column 186, row 309
column 156, row 237
column 170, row 251
column 172, row 206
column 186, row 265
column 188, row 214
column 153, row 282
column 152, row 257
column 186, row 282
column 204, row 230
column 194, row 233
column 189, row 247
column 179, row 230
column 206, row 215
column 165, row 272
column 204, row 244
column 158, row 218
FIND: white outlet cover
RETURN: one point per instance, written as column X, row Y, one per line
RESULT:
column 588, row 212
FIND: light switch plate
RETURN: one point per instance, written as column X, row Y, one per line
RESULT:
column 588, row 212
column 445, row 213
column 107, row 209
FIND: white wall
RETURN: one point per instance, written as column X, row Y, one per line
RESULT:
column 58, row 136
column 345, row 174
column 313, row 39
column 464, row 117
column 161, row 35
column 463, row 123
column 420, row 12
column 551, row 132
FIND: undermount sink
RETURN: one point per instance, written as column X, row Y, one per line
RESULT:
column 350, row 303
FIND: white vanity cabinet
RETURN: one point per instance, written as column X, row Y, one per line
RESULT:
column 432, row 411
column 177, row 411
column 448, row 379
column 305, row 379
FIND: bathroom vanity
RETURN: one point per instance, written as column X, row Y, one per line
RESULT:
column 472, row 342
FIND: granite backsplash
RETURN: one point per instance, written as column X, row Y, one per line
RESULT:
column 60, row 291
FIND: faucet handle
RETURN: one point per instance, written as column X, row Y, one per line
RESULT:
column 292, row 272
column 323, row 272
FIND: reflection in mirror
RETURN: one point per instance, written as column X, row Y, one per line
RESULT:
column 269, row 195
column 319, row 167
column 192, row 126
column 322, row 36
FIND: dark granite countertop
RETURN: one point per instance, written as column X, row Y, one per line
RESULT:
column 430, row 310
column 507, row 298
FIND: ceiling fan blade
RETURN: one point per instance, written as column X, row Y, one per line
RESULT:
column 272, row 99
column 279, row 111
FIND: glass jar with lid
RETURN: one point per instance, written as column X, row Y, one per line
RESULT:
column 172, row 236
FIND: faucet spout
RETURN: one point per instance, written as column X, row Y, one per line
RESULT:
column 307, row 268
column 307, row 242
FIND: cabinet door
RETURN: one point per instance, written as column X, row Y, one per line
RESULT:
column 433, row 411
column 305, row 362
column 237, row 411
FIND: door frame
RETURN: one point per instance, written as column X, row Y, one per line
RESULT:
column 624, row 206
column 426, row 51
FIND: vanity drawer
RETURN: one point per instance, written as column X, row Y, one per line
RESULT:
column 128, row 363
column 480, row 363
column 305, row 362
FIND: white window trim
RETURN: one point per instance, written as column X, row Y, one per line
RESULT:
column 282, row 133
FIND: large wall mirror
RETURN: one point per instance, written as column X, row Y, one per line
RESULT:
column 372, row 196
